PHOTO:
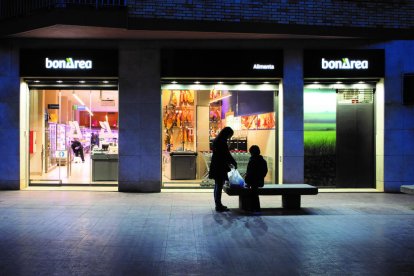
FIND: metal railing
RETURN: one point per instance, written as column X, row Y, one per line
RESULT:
column 16, row 8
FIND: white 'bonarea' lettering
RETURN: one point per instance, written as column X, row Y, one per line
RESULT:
column 68, row 63
column 345, row 63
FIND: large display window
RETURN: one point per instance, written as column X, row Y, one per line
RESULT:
column 73, row 136
column 192, row 116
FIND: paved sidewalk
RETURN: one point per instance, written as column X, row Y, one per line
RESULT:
column 111, row 233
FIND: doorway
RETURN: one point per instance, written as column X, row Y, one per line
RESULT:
column 73, row 136
column 339, row 139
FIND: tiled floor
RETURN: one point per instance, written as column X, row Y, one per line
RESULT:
column 170, row 233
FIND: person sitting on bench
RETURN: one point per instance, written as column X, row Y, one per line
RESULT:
column 255, row 174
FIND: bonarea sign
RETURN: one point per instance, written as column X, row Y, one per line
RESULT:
column 68, row 63
column 343, row 63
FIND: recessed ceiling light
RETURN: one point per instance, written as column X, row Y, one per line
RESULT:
column 105, row 81
column 338, row 82
column 82, row 81
column 197, row 82
column 243, row 82
column 37, row 81
column 266, row 82
column 316, row 82
column 174, row 82
column 220, row 82
column 59, row 81
column 361, row 82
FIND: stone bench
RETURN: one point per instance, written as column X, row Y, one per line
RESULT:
column 290, row 194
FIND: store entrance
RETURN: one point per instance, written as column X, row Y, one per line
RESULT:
column 73, row 133
column 339, row 135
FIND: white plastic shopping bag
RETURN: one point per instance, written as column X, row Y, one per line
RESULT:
column 235, row 179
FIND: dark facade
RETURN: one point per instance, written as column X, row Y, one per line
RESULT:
column 140, row 30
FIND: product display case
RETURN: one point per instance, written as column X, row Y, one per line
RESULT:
column 50, row 135
column 61, row 150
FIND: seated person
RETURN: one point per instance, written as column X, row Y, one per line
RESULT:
column 77, row 148
column 255, row 174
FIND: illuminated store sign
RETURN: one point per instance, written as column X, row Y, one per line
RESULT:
column 257, row 66
column 68, row 63
column 221, row 63
column 343, row 63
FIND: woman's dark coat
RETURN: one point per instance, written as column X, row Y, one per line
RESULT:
column 221, row 160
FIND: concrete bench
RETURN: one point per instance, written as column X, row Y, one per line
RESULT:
column 290, row 194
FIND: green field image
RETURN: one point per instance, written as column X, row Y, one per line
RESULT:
column 320, row 133
column 320, row 142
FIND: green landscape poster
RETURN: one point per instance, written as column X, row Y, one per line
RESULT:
column 320, row 136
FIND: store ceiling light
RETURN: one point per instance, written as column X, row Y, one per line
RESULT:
column 316, row 82
column 87, row 109
column 59, row 81
column 361, row 82
column 78, row 99
column 266, row 82
column 197, row 82
column 37, row 81
column 174, row 82
column 220, row 98
column 243, row 82
column 220, row 82
column 105, row 81
column 82, row 81
column 339, row 82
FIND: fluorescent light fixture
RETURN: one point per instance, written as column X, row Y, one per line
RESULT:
column 87, row 109
column 220, row 98
column 79, row 99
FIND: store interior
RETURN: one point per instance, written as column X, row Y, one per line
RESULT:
column 73, row 136
column 193, row 113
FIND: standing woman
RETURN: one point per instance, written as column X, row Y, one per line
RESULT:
column 220, row 165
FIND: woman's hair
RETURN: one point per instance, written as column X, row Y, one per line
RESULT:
column 226, row 133
column 254, row 150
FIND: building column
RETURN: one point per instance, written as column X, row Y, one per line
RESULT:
column 291, row 151
column 139, row 120
column 9, row 118
column 398, row 119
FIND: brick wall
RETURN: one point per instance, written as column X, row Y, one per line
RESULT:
column 388, row 14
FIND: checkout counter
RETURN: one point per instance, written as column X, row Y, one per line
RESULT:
column 105, row 163
column 180, row 165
